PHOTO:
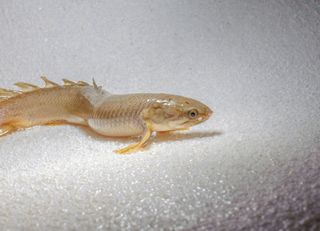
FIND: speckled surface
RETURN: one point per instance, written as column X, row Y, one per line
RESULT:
column 253, row 166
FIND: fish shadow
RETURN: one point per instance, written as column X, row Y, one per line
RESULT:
column 158, row 138
column 174, row 136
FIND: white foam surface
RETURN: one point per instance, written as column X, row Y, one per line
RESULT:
column 253, row 166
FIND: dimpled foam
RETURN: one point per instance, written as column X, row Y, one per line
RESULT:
column 253, row 166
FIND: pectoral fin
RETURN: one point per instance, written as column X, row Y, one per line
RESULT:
column 136, row 146
column 6, row 129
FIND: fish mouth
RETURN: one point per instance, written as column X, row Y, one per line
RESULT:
column 208, row 115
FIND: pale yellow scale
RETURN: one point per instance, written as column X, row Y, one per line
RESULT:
column 88, row 105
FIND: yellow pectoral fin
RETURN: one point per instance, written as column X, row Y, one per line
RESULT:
column 6, row 129
column 136, row 146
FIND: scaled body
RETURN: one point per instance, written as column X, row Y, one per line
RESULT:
column 107, row 114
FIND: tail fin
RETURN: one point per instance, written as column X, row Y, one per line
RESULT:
column 7, row 126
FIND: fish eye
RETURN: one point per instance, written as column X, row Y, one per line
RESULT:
column 193, row 113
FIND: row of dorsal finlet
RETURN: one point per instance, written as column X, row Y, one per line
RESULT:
column 27, row 87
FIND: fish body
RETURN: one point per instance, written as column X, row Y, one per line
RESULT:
column 89, row 105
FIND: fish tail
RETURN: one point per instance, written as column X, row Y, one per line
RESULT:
column 15, row 106
column 7, row 125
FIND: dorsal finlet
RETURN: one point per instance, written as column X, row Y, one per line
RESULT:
column 68, row 82
column 95, row 86
column 6, row 94
column 49, row 83
column 82, row 83
column 26, row 86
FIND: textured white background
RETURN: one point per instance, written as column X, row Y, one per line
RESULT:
column 253, row 166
